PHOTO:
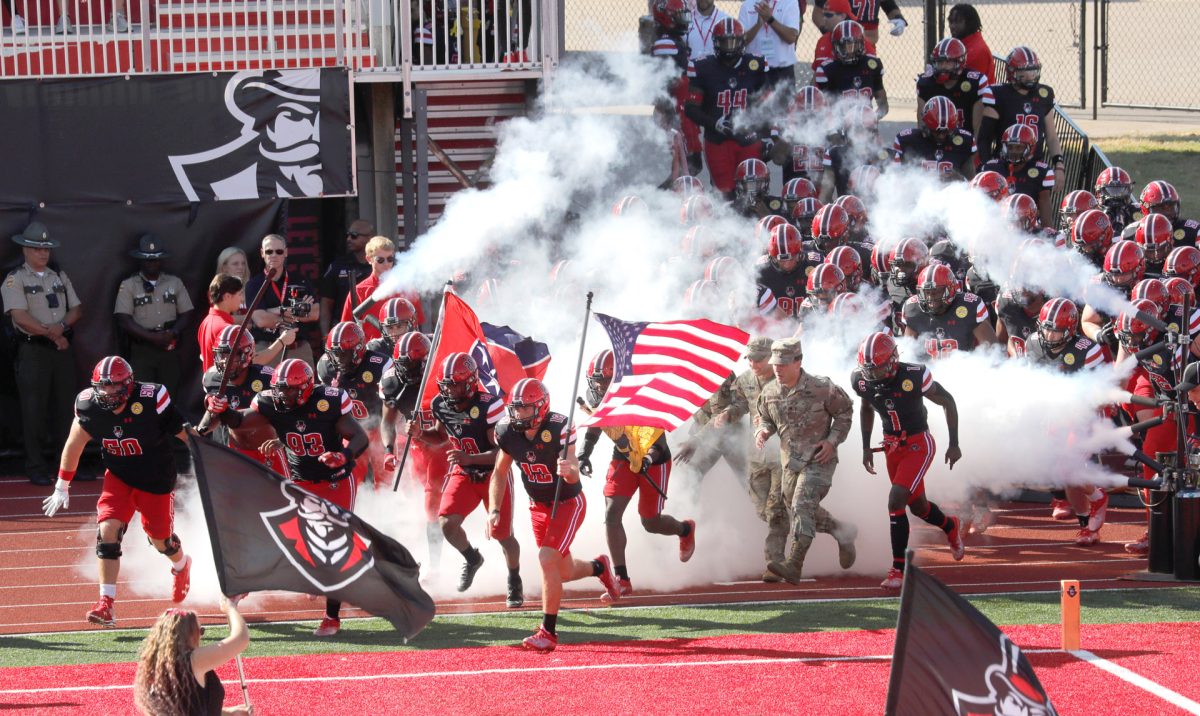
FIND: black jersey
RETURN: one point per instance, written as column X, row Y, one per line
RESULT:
column 1032, row 108
column 309, row 431
column 673, row 48
column 843, row 159
column 952, row 330
column 1120, row 214
column 862, row 79
column 964, row 92
column 135, row 443
column 258, row 379
column 362, row 383
column 789, row 288
column 900, row 401
column 1013, row 315
column 383, row 344
column 1183, row 231
column 1030, row 178
column 982, row 285
column 1160, row 367
column 913, row 147
column 468, row 430
column 725, row 91
column 1080, row 353
column 806, row 162
column 402, row 396
column 538, row 458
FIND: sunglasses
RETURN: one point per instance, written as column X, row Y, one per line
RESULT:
column 385, row 259
column 354, row 234
column 274, row 252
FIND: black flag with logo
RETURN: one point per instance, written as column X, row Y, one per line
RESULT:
column 269, row 533
column 951, row 659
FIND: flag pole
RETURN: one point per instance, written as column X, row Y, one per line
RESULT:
column 902, row 622
column 437, row 338
column 587, row 315
column 242, row 678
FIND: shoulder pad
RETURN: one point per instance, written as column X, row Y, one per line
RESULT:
column 913, row 299
column 972, row 74
column 1083, row 343
column 84, row 398
column 558, row 418
column 970, row 297
column 147, row 390
column 332, row 392
column 1192, row 224
column 374, row 357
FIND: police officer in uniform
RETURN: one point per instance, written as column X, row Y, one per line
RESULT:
column 43, row 307
column 812, row 417
column 153, row 309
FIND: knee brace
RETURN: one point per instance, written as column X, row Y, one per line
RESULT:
column 109, row 550
column 171, row 546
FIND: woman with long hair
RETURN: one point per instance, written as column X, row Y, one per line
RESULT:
column 233, row 261
column 176, row 675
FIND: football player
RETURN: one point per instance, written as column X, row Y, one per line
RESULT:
column 943, row 317
column 1023, row 100
column 785, row 268
column 672, row 24
column 852, row 72
column 1073, row 204
column 905, row 262
column 348, row 364
column 799, row 159
column 752, row 190
column 399, row 317
column 851, row 167
column 234, row 351
column 938, row 145
column 1091, row 236
column 1024, row 173
column 1114, row 189
column 1124, row 266
column 992, row 184
column 947, row 76
column 1160, row 197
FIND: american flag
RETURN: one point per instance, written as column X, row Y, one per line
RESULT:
column 665, row 371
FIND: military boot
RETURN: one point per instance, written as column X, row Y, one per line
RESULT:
column 845, row 534
column 790, row 570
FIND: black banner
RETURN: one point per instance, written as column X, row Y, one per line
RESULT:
column 257, row 134
column 269, row 533
column 950, row 659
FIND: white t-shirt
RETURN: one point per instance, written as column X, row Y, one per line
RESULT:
column 767, row 43
column 700, row 40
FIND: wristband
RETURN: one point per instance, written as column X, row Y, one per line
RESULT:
column 348, row 453
column 770, row 20
column 66, row 475
column 1057, row 159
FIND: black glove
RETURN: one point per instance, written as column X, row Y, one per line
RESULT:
column 1106, row 336
column 585, row 464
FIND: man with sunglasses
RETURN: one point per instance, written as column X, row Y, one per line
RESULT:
column 345, row 272
column 287, row 303
column 381, row 257
column 152, row 310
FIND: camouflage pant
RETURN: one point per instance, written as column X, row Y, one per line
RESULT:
column 766, row 491
column 804, row 490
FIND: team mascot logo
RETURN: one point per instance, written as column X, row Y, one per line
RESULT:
column 1009, row 693
column 316, row 537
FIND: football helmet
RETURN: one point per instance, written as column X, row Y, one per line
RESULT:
column 699, row 242
column 830, row 227
column 1124, row 265
column 695, row 210
column 1114, row 185
column 907, row 259
column 1183, row 262
column 1073, row 205
column 845, row 305
column 528, row 404
column 234, row 350
column 785, row 248
column 850, row 264
column 939, row 119
column 881, row 260
column 1179, row 291
column 751, row 179
column 687, row 185
column 878, row 357
column 729, row 42
column 600, row 371
column 1057, row 324
column 292, row 385
column 856, row 211
column 1021, row 211
column 112, row 383
column 849, row 42
column 937, row 288
column 630, row 205
column 803, row 213
column 723, row 270
column 671, row 16
column 826, row 282
column 409, row 356
column 862, row 179
column 948, row 59
column 702, row 298
column 795, row 190
column 991, row 183
column 1154, row 291
column 1153, row 234
column 1160, row 197
column 346, row 344
column 1092, row 233
column 809, row 99
column 1132, row 332
column 458, row 379
column 1024, row 69
column 762, row 230
column 1018, row 143
column 399, row 317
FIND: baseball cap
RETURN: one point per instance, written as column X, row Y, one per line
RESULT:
column 786, row 351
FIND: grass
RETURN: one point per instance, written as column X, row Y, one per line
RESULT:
column 615, row 624
column 1173, row 157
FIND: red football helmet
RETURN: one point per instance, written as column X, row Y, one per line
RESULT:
column 1133, row 333
column 409, row 356
column 785, row 248
column 1073, row 205
column 1018, row 144
column 939, row 119
column 1021, row 211
column 729, row 41
column 1024, row 69
column 292, row 385
column 600, row 371
column 722, row 270
column 346, row 344
column 830, row 227
column 1155, row 292
column 850, row 263
column 762, row 230
column 1159, row 197
column 803, row 213
column 696, row 209
column 948, row 60
column 878, row 357
column 845, row 305
column 1058, row 322
column 1114, row 185
column 825, row 282
column 1184, row 262
column 671, row 16
column 795, row 190
column 1124, row 265
column 459, row 378
column 881, row 260
column 862, row 179
column 630, row 205
column 1092, row 233
column 234, row 350
column 399, row 317
column 528, row 404
column 856, row 210
column 687, row 185
column 1153, row 234
column 849, row 42
column 699, row 242
column 991, row 183
column 808, row 99
column 1179, row 291
column 702, row 297
column 937, row 288
column 751, row 178
column 112, row 383
column 907, row 259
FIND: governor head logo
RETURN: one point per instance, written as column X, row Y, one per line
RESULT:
column 316, row 537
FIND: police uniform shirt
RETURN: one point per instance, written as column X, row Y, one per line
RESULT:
column 362, row 383
column 913, row 147
column 1183, row 231
column 900, row 401
column 309, row 431
column 468, row 430
column 952, row 330
column 47, row 297
column 538, row 458
column 1032, row 109
column 964, row 92
column 1030, row 179
column 725, row 90
column 862, row 79
column 1079, row 353
column 1015, row 318
column 789, row 288
column 807, row 162
column 153, row 309
column 258, row 378
column 135, row 443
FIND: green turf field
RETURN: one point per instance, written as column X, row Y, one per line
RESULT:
column 613, row 624
column 1173, row 157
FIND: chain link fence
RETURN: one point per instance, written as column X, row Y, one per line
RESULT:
column 1147, row 48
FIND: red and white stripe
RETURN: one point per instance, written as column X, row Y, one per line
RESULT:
column 162, row 400
column 981, row 312
column 347, row 404
column 1094, row 356
column 930, row 449
column 495, row 412
column 926, row 379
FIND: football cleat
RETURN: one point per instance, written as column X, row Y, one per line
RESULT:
column 1141, row 546
column 1087, row 537
column 515, row 599
column 468, row 573
column 1060, row 509
column 954, row 537
column 894, row 579
column 541, row 641
column 611, row 589
column 182, row 581
column 687, row 545
column 1097, row 511
column 624, row 586
column 328, row 627
column 102, row 613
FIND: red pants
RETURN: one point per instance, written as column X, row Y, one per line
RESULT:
column 1160, row 438
column 340, row 493
column 908, row 463
column 372, row 457
column 118, row 501
column 722, row 160
column 623, row 482
column 277, row 462
column 428, row 468
column 558, row 533
column 461, row 495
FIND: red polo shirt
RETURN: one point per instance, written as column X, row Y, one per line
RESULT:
column 979, row 57
column 210, row 331
column 364, row 289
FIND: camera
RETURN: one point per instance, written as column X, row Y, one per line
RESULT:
column 296, row 303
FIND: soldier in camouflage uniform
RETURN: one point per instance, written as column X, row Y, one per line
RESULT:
column 812, row 417
column 708, row 441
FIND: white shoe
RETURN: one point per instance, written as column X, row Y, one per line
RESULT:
column 63, row 26
column 119, row 23
column 18, row 25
